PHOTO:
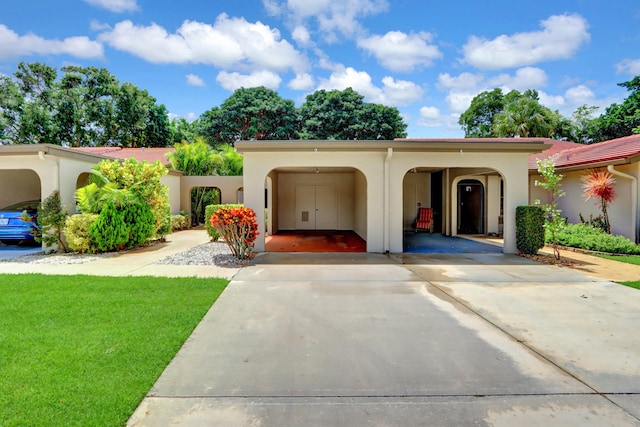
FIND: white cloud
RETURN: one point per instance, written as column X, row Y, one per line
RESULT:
column 628, row 66
column 400, row 92
column 193, row 80
column 393, row 93
column 233, row 81
column 553, row 102
column 398, row 51
column 580, row 95
column 463, row 81
column 230, row 42
column 523, row 79
column 333, row 19
column 458, row 101
column 13, row 45
column 430, row 117
column 115, row 5
column 561, row 36
column 301, row 35
column 301, row 82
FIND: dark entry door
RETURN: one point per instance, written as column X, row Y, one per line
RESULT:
column 470, row 207
column 436, row 200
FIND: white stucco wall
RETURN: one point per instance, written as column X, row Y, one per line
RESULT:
column 172, row 181
column 345, row 192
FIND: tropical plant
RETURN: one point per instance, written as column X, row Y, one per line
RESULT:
column 142, row 180
column 554, row 223
column 238, row 227
column 600, row 185
column 197, row 159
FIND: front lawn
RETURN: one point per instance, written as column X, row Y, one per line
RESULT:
column 85, row 350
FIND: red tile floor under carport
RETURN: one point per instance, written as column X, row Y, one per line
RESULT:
column 349, row 241
column 315, row 241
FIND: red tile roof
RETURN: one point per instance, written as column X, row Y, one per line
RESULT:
column 608, row 152
column 141, row 154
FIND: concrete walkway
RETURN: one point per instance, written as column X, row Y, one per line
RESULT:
column 407, row 340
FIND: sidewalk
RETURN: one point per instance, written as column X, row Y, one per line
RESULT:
column 138, row 262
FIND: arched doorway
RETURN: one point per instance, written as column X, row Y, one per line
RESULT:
column 470, row 207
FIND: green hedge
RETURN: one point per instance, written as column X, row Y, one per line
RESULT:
column 529, row 229
column 208, row 211
column 592, row 238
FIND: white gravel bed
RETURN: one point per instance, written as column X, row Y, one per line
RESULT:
column 212, row 253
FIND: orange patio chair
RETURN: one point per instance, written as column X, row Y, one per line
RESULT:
column 425, row 219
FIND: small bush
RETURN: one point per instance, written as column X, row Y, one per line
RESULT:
column 140, row 221
column 76, row 231
column 209, row 210
column 529, row 229
column 592, row 238
column 109, row 232
column 239, row 228
column 51, row 218
column 180, row 222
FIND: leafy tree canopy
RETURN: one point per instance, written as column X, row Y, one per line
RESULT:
column 87, row 106
column 249, row 114
column 343, row 115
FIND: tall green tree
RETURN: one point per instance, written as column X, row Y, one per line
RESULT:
column 477, row 120
column 34, row 115
column 256, row 113
column 85, row 106
column 492, row 114
column 343, row 115
column 620, row 120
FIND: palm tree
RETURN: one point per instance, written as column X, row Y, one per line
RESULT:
column 599, row 184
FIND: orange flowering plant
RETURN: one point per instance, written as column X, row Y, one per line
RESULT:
column 238, row 227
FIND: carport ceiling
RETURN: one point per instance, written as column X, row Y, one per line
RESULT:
column 314, row 169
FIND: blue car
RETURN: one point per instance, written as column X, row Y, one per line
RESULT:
column 13, row 228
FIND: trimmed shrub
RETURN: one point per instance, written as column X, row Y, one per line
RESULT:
column 239, row 228
column 530, row 233
column 76, row 231
column 140, row 221
column 208, row 212
column 109, row 232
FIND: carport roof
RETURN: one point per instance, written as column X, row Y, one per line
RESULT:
column 49, row 149
column 529, row 145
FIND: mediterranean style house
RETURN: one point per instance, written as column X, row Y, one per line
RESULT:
column 373, row 188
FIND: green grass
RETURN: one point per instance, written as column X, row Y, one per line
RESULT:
column 629, row 259
column 85, row 350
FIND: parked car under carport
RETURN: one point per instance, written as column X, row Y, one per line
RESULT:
column 14, row 229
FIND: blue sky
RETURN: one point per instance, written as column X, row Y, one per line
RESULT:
column 427, row 58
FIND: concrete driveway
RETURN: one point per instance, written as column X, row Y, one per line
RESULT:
column 407, row 340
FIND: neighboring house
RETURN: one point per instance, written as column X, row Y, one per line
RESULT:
column 620, row 156
column 32, row 172
column 375, row 187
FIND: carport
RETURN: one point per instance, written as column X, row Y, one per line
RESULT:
column 32, row 172
column 278, row 175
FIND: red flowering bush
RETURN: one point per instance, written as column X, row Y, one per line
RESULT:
column 238, row 227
